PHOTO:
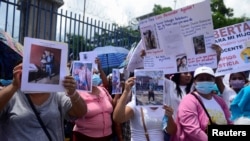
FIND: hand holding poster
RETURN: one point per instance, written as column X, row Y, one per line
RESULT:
column 235, row 42
column 185, row 33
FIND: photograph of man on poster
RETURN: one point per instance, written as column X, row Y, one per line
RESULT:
column 149, row 87
column 116, row 87
column 181, row 63
column 44, row 65
column 199, row 44
column 82, row 72
column 149, row 39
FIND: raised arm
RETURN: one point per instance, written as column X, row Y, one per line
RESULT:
column 103, row 76
column 79, row 107
column 123, row 113
column 218, row 80
column 7, row 92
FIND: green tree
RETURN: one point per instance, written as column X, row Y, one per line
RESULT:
column 158, row 9
column 223, row 16
column 76, row 44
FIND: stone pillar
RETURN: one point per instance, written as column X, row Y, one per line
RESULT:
column 38, row 18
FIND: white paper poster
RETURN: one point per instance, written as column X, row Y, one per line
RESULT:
column 149, row 87
column 116, row 82
column 235, row 42
column 179, row 40
column 44, row 65
column 82, row 73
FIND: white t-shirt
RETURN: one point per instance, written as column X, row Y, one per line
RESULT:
column 215, row 111
column 228, row 95
column 171, row 97
column 153, row 122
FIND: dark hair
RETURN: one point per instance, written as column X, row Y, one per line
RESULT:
column 176, row 79
column 243, row 73
column 183, row 57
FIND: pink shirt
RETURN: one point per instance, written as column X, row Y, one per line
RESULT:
column 192, row 120
column 97, row 122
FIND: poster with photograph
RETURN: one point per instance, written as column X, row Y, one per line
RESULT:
column 235, row 43
column 82, row 73
column 182, row 31
column 149, row 87
column 116, row 82
column 44, row 65
column 149, row 38
column 89, row 56
column 181, row 61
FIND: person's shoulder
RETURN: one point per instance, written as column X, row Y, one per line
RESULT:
column 188, row 96
column 219, row 99
column 188, row 99
column 246, row 88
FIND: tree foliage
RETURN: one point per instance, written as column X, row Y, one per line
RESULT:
column 223, row 16
column 158, row 9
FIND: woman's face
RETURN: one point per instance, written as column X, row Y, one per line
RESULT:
column 237, row 76
column 185, row 78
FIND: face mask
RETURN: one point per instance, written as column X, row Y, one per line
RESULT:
column 204, row 87
column 237, row 84
column 96, row 80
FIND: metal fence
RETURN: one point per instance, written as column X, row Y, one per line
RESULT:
column 41, row 19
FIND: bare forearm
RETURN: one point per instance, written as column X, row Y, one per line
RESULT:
column 119, row 112
column 118, row 130
column 6, row 94
column 171, row 126
column 104, row 78
column 79, row 107
column 220, row 84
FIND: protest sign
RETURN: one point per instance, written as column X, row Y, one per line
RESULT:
column 82, row 73
column 116, row 82
column 184, row 34
column 235, row 43
column 89, row 56
column 44, row 65
column 149, row 87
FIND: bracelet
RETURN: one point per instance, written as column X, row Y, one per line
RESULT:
column 71, row 94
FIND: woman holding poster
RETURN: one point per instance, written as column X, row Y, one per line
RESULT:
column 97, row 124
column 40, row 115
column 200, row 108
column 151, row 117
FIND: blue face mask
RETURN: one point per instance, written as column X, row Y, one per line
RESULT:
column 205, row 87
column 96, row 80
